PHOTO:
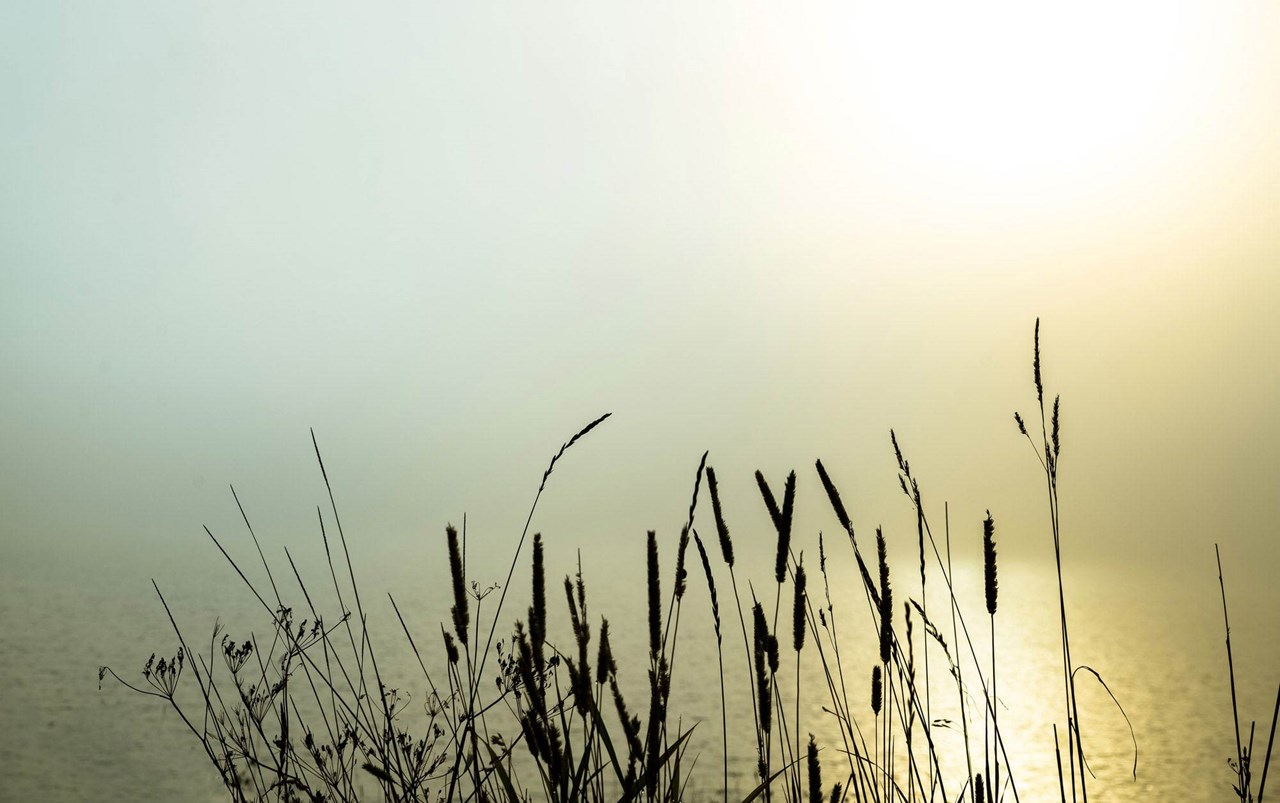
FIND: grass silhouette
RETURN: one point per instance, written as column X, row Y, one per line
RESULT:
column 304, row 714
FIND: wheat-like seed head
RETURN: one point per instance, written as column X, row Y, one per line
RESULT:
column 833, row 496
column 711, row 583
column 784, row 528
column 762, row 640
column 681, row 575
column 605, row 665
column 886, row 601
column 460, row 611
column 1057, row 444
column 655, row 598
column 815, row 772
column 538, row 611
column 877, row 690
column 722, row 529
column 1036, row 369
column 989, row 562
column 798, row 610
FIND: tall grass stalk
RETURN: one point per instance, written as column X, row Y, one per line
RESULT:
column 1047, row 453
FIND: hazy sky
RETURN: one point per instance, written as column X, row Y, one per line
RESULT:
column 446, row 234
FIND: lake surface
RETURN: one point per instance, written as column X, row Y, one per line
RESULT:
column 1155, row 638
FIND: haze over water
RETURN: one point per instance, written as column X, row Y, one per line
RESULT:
column 1155, row 639
column 446, row 236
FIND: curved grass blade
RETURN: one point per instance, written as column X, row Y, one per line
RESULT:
column 1132, row 736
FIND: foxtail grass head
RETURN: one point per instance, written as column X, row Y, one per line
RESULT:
column 697, row 484
column 711, row 583
column 461, row 613
column 886, row 601
column 833, row 495
column 450, row 648
column 877, row 691
column 760, row 652
column 815, row 772
column 605, row 664
column 989, row 562
column 722, row 529
column 1057, row 444
column 1036, row 368
column 655, row 598
column 775, row 513
column 682, row 576
column 798, row 610
column 538, row 611
column 781, row 519
column 784, row 533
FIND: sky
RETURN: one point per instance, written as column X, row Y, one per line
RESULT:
column 446, row 235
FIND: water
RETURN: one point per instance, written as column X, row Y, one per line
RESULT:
column 1155, row 639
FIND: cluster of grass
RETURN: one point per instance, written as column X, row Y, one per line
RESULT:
column 305, row 715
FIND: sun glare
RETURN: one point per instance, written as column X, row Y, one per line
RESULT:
column 1013, row 92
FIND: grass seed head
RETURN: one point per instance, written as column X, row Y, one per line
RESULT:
column 798, row 610
column 886, row 601
column 989, row 562
column 833, row 496
column 655, row 598
column 605, row 665
column 538, row 613
column 877, row 690
column 722, row 529
column 460, row 611
column 815, row 772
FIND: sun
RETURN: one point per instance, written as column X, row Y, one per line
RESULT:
column 1006, row 93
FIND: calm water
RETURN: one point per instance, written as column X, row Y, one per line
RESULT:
column 1157, row 640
